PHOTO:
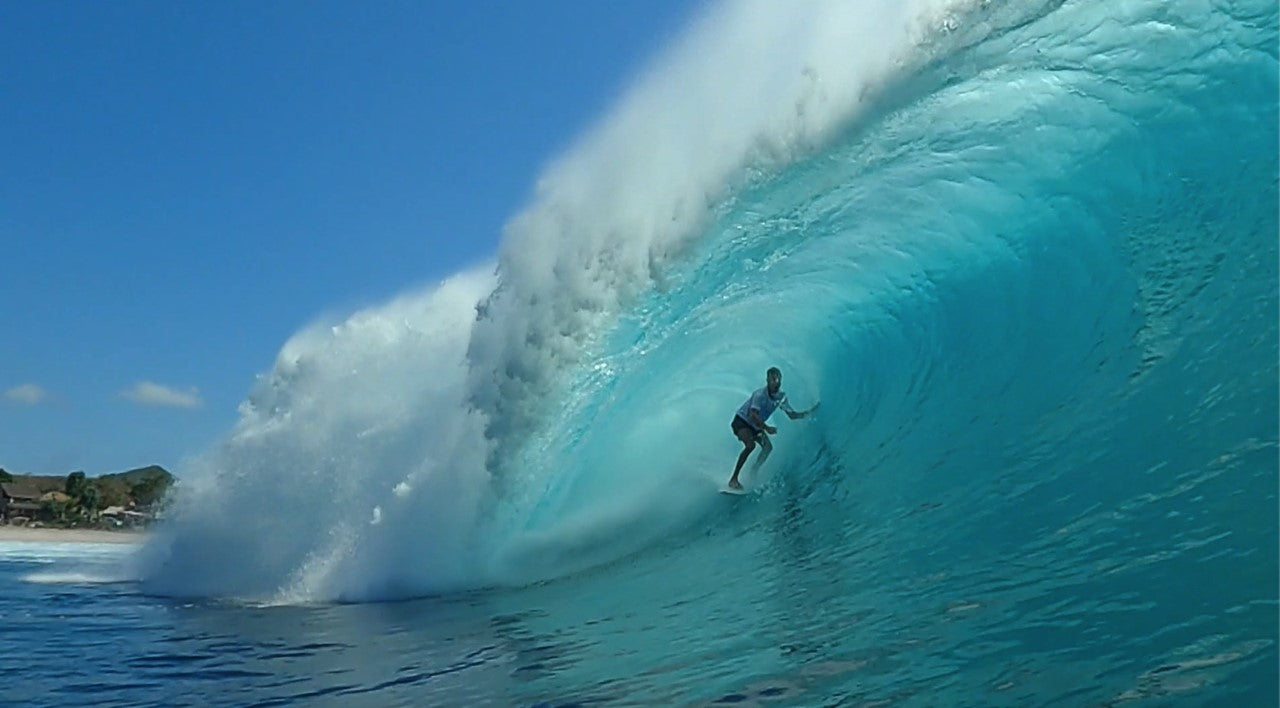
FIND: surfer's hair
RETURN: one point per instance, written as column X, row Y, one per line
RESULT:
column 773, row 370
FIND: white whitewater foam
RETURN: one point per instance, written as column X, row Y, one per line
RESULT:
column 361, row 466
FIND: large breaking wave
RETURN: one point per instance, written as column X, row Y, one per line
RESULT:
column 1024, row 253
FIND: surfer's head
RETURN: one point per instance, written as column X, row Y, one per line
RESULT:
column 773, row 379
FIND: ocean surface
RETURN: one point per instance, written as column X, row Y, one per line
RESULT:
column 1025, row 255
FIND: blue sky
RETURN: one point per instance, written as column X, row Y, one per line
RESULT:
column 184, row 185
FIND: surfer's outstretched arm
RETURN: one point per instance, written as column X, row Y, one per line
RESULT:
column 794, row 414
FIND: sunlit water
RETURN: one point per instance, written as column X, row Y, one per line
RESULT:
column 1025, row 255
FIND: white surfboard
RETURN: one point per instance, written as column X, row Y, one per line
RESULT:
column 733, row 492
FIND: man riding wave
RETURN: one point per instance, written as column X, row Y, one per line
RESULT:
column 750, row 423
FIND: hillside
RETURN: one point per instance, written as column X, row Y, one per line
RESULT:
column 143, row 486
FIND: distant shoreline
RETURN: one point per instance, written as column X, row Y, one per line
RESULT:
column 54, row 535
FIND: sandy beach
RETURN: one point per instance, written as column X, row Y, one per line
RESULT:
column 48, row 535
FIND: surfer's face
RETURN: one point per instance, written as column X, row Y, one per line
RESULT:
column 774, row 382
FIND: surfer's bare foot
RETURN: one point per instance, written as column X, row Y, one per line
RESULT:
column 735, row 484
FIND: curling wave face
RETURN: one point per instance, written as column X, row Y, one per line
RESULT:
column 1025, row 255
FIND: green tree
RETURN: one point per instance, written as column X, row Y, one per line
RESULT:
column 75, row 485
column 91, row 500
column 149, row 491
column 5, row 476
column 54, row 510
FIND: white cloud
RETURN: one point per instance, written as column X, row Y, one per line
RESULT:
column 29, row 394
column 147, row 393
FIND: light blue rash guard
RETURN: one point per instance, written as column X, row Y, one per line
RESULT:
column 764, row 404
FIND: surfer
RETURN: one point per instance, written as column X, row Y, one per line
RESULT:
column 750, row 426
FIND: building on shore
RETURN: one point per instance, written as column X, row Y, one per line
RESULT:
column 19, row 503
column 128, row 518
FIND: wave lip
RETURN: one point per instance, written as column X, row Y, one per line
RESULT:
column 749, row 85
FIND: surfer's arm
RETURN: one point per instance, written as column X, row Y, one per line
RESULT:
column 793, row 414
column 754, row 414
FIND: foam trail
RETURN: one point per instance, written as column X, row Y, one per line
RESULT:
column 78, row 577
column 74, row 563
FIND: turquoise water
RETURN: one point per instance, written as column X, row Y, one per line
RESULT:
column 1024, row 254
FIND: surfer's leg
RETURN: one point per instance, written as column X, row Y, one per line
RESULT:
column 766, row 447
column 748, row 445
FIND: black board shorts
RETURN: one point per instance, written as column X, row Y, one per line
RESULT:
column 739, row 423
